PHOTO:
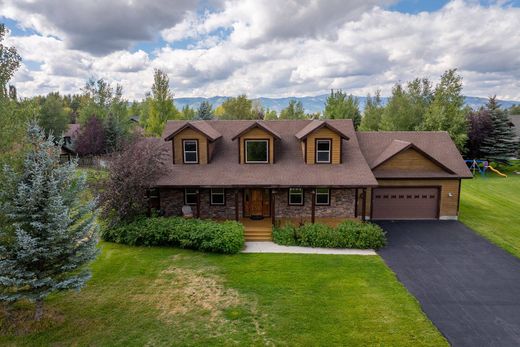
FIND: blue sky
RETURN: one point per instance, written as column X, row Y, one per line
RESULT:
column 264, row 48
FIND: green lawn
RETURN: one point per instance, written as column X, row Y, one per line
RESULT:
column 491, row 206
column 160, row 296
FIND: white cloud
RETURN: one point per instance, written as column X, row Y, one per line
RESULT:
column 295, row 49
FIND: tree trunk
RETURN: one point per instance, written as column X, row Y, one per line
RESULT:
column 38, row 312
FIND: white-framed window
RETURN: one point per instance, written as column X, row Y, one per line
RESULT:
column 257, row 151
column 323, row 151
column 190, row 151
column 190, row 196
column 322, row 196
column 217, row 196
column 296, row 196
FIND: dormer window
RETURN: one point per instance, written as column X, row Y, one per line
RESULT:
column 323, row 151
column 257, row 151
column 191, row 151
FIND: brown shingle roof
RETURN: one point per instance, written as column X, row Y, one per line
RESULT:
column 72, row 131
column 315, row 125
column 201, row 126
column 289, row 168
column 435, row 144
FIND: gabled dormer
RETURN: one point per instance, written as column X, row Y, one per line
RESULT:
column 321, row 143
column 256, row 144
column 193, row 143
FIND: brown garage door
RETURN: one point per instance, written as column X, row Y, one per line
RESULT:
column 405, row 203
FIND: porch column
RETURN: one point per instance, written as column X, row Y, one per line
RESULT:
column 355, row 202
column 273, row 219
column 236, row 205
column 198, row 203
column 364, row 202
column 313, row 205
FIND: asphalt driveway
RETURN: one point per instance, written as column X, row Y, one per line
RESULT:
column 468, row 287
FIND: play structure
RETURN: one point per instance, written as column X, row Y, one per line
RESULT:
column 481, row 166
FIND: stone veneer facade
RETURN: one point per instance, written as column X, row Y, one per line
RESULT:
column 341, row 204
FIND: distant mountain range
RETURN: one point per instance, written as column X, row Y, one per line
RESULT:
column 316, row 103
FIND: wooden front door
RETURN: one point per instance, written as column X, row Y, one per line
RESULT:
column 257, row 202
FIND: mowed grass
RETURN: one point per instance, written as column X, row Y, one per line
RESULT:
column 491, row 207
column 161, row 296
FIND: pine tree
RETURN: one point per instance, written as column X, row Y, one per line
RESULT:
column 500, row 145
column 205, row 111
column 49, row 235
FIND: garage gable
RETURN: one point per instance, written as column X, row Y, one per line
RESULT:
column 408, row 161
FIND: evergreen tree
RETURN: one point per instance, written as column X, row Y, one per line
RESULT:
column 446, row 111
column 372, row 113
column 293, row 111
column 50, row 235
column 53, row 118
column 114, row 134
column 205, row 111
column 501, row 144
column 341, row 106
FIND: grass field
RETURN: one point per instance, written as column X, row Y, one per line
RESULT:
column 159, row 296
column 491, row 206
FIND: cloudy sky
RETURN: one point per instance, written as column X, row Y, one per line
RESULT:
column 264, row 48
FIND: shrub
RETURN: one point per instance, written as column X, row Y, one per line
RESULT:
column 349, row 234
column 197, row 234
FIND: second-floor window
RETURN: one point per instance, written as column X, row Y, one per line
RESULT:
column 323, row 151
column 257, row 151
column 190, row 151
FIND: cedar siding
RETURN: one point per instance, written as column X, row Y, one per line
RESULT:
column 323, row 134
column 190, row 134
column 410, row 161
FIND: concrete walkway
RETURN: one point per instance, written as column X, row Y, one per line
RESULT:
column 271, row 247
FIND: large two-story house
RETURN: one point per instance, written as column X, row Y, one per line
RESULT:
column 307, row 171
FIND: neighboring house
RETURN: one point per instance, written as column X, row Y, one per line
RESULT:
column 69, row 138
column 308, row 170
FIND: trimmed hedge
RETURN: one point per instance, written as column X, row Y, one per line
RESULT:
column 204, row 235
column 348, row 234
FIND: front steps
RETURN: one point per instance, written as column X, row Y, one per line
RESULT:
column 258, row 233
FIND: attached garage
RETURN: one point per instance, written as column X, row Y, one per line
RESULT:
column 405, row 203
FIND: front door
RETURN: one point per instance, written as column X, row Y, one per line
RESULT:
column 257, row 202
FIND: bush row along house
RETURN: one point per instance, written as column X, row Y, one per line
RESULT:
column 307, row 171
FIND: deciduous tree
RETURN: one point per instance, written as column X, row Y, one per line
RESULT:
column 341, row 106
column 293, row 111
column 9, row 62
column 372, row 113
column 239, row 107
column 53, row 117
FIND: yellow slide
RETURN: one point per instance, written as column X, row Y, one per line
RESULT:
column 496, row 171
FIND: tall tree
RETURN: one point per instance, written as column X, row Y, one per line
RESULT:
column 239, row 107
column 161, row 104
column 479, row 128
column 446, row 111
column 293, row 111
column 51, row 234
column 53, row 117
column 501, row 144
column 270, row 114
column 9, row 62
column 407, row 106
column 205, row 111
column 341, row 106
column 188, row 113
column 91, row 138
column 372, row 113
